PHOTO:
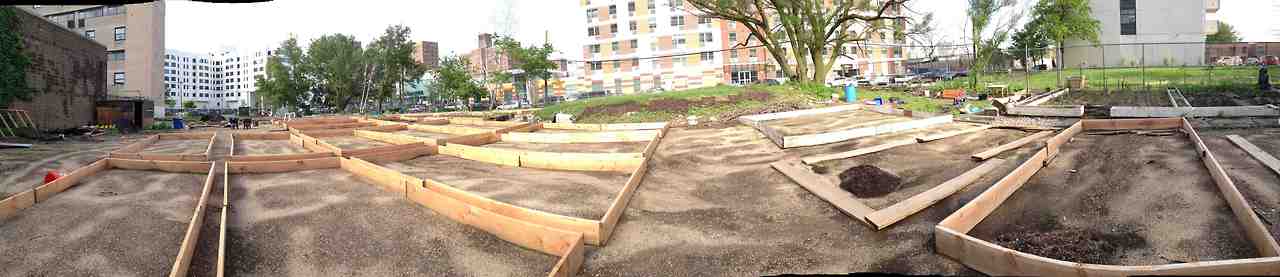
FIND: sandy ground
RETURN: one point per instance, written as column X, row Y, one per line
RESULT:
column 332, row 223
column 924, row 166
column 609, row 147
column 826, row 123
column 353, row 142
column 1255, row 180
column 266, row 147
column 1149, row 197
column 118, row 223
column 185, row 146
column 581, row 194
column 24, row 169
column 424, row 134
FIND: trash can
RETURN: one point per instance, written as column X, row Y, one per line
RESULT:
column 851, row 93
column 178, row 124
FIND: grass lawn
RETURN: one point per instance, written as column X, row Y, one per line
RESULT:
column 1189, row 79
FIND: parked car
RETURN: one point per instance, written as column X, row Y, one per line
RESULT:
column 840, row 82
column 1230, row 61
column 508, row 106
column 1252, row 61
column 882, row 80
column 1271, row 60
column 775, row 81
column 904, row 79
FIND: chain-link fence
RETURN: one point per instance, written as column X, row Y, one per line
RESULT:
column 1194, row 67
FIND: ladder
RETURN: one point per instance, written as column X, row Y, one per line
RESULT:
column 12, row 120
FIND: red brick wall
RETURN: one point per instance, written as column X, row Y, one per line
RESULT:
column 68, row 73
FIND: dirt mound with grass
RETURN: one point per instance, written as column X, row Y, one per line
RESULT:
column 868, row 181
column 676, row 106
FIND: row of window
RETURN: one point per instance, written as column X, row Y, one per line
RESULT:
column 75, row 19
column 118, row 32
column 676, row 21
column 593, row 13
column 704, row 57
column 677, row 43
column 206, row 95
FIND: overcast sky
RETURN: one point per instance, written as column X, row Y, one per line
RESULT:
column 203, row 27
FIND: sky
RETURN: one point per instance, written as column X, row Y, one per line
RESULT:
column 204, row 27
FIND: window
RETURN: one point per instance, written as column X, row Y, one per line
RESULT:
column 677, row 21
column 653, row 23
column 593, row 31
column 119, row 33
column 635, row 63
column 673, row 4
column 613, row 28
column 651, row 6
column 635, row 43
column 91, row 34
column 596, row 65
column 595, row 49
column 733, row 38
column 1128, row 17
column 705, row 37
column 613, row 46
column 733, row 54
column 703, row 20
column 613, row 11
column 117, row 78
column 115, row 55
column 679, row 43
column 707, row 57
column 631, row 8
column 679, row 61
column 633, row 25
column 591, row 14
column 653, row 46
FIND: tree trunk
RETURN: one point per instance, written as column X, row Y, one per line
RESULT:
column 546, row 91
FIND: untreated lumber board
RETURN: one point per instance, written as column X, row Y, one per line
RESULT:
column 166, row 166
column 1132, row 124
column 384, row 178
column 261, row 136
column 1010, row 146
column 940, row 136
column 395, row 155
column 392, row 138
column 1070, row 111
column 186, row 136
column 824, row 188
column 160, row 157
column 482, row 154
column 591, row 229
column 137, row 146
column 1045, row 98
column 589, row 137
column 279, row 157
column 1257, row 233
column 857, row 152
column 621, row 162
column 799, row 113
column 183, row 261
column 882, row 218
column 620, row 202
column 325, row 126
column 379, row 149
column 571, row 261
column 476, row 139
column 282, row 166
column 1227, row 111
column 1262, row 156
column 449, row 129
column 843, row 135
column 222, row 225
column 43, row 192
column 976, row 210
column 532, row 236
column 15, row 203
column 320, row 120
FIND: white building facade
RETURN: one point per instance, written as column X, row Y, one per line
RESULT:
column 1146, row 32
column 219, row 80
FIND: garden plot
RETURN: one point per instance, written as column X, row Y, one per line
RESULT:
column 603, row 147
column 329, row 222
column 1147, row 199
column 814, row 124
column 169, row 147
column 1255, row 178
column 836, row 124
column 581, row 194
column 103, row 221
column 424, row 134
column 353, row 142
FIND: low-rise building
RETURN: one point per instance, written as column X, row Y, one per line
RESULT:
column 1146, row 32
column 67, row 74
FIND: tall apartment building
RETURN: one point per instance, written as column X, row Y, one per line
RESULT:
column 134, row 37
column 427, row 53
column 218, row 80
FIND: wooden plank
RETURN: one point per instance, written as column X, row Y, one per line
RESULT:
column 1045, row 98
column 160, row 157
column 330, row 133
column 824, row 189
column 1254, row 229
column 1262, row 156
column 532, row 236
column 380, row 149
column 633, row 126
column 186, row 136
column 385, row 179
column 44, row 191
column 592, row 137
column 393, row 138
column 976, row 210
column 449, row 129
column 881, row 219
column 482, row 154
column 799, row 113
column 472, row 139
column 843, row 135
column 397, row 155
column 283, row 166
column 330, row 126
column 261, row 136
column 620, row 202
column 1132, row 124
column 280, row 157
column 940, row 136
column 1010, row 146
column 183, row 262
column 137, row 146
column 571, row 261
column 591, row 229
column 1071, row 111
column 320, row 120
column 856, row 152
column 573, row 126
column 622, row 162
column 1228, row 111
column 17, row 202
column 166, row 166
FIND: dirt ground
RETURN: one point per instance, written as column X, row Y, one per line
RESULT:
column 332, row 223
column 826, row 123
column 266, row 147
column 609, row 147
column 1232, row 98
column 353, row 142
column 1255, row 180
column 185, row 146
column 118, row 222
column 423, row 134
column 1137, row 200
column 1116, row 98
column 24, row 168
column 582, row 194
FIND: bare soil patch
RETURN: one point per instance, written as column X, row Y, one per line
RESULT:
column 1231, row 98
column 606, row 147
column 832, row 122
column 266, row 147
column 329, row 222
column 117, row 222
column 1115, row 98
column 353, row 142
column 424, row 134
column 24, row 168
column 1254, row 180
column 1113, row 191
column 581, row 194
column 185, row 146
column 869, row 181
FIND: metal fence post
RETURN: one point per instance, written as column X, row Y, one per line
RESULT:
column 1144, row 67
column 1026, row 67
column 1105, row 87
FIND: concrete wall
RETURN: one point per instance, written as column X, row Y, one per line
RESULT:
column 67, row 72
column 144, row 63
column 1159, row 21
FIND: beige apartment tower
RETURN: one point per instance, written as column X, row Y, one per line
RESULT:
column 134, row 37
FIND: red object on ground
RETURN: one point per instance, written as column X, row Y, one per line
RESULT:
column 51, row 176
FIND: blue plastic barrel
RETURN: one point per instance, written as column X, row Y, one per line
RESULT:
column 177, row 123
column 851, row 93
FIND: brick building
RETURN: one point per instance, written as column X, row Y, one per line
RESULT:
column 427, row 53
column 68, row 73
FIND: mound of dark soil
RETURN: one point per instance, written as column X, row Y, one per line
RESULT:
column 1073, row 244
column 676, row 106
column 867, row 181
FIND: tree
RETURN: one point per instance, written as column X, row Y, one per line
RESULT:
column 13, row 63
column 188, row 105
column 981, row 15
column 1226, row 34
column 1063, row 20
column 1029, row 43
column 534, row 60
column 286, row 82
column 336, row 65
column 390, row 58
column 809, row 30
column 453, row 81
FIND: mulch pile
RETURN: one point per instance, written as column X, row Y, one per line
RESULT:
column 1072, row 244
column 676, row 106
column 867, row 181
